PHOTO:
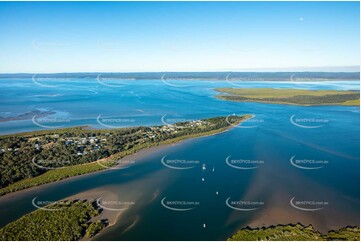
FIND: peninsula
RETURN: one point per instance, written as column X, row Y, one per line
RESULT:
column 300, row 97
column 40, row 157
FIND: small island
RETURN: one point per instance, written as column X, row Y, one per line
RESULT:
column 295, row 232
column 299, row 97
column 40, row 157
column 68, row 221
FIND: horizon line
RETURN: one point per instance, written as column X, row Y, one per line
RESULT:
column 270, row 70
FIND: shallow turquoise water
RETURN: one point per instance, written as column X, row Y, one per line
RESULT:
column 271, row 137
column 81, row 101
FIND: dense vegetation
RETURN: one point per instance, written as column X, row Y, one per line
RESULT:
column 29, row 159
column 295, row 232
column 71, row 221
column 55, row 175
column 291, row 96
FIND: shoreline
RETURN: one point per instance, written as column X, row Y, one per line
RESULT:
column 144, row 151
column 277, row 233
column 115, row 218
column 288, row 96
column 8, row 196
column 288, row 104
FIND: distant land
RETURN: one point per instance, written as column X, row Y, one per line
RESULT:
column 231, row 76
column 290, row 96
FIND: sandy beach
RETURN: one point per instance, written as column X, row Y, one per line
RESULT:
column 132, row 157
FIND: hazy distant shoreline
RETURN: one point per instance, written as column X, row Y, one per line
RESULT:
column 229, row 76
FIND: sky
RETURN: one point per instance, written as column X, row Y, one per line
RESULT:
column 47, row 37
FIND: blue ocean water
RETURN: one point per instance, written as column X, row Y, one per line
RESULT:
column 322, row 141
column 81, row 101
